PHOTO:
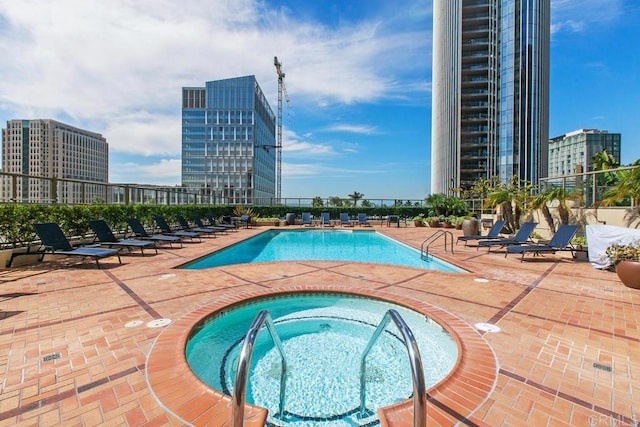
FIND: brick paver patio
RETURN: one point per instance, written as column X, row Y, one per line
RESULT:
column 568, row 350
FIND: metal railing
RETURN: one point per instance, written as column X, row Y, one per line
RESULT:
column 244, row 360
column 417, row 373
column 424, row 247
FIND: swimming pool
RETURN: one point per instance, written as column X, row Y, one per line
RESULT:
column 343, row 245
column 324, row 336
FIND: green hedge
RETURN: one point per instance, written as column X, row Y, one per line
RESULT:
column 16, row 219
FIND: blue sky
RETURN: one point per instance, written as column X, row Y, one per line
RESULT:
column 358, row 75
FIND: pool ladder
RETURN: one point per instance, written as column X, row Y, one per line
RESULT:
column 417, row 374
column 244, row 360
column 424, row 248
column 263, row 317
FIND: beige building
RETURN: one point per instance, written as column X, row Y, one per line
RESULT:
column 50, row 149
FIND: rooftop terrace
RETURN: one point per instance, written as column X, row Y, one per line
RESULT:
column 567, row 352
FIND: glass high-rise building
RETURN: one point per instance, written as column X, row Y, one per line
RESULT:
column 229, row 142
column 490, row 91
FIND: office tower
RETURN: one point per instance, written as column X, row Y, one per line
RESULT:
column 50, row 149
column 573, row 152
column 490, row 91
column 228, row 142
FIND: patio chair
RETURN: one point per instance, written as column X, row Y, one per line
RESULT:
column 306, row 219
column 494, row 233
column 362, row 220
column 560, row 241
column 521, row 237
column 164, row 226
column 200, row 225
column 344, row 220
column 325, row 219
column 105, row 236
column 54, row 241
column 139, row 231
column 246, row 220
column 215, row 223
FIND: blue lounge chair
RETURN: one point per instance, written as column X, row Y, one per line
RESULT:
column 246, row 220
column 560, row 241
column 215, row 223
column 163, row 225
column 306, row 219
column 105, row 236
column 139, row 231
column 521, row 237
column 362, row 220
column 494, row 233
column 325, row 219
column 344, row 220
column 54, row 241
column 200, row 225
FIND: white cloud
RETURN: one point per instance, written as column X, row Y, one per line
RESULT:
column 580, row 15
column 359, row 129
column 145, row 134
column 164, row 172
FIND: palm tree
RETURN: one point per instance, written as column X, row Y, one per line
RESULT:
column 541, row 201
column 356, row 196
column 628, row 187
column 511, row 200
column 602, row 161
column 317, row 202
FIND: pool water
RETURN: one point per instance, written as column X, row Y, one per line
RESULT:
column 323, row 337
column 343, row 245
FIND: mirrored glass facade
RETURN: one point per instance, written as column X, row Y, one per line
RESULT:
column 228, row 142
column 490, row 91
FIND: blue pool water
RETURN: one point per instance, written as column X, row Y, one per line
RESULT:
column 343, row 245
column 323, row 336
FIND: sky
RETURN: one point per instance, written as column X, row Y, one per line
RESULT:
column 358, row 77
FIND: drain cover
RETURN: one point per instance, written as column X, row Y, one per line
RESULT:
column 158, row 323
column 133, row 324
column 481, row 280
column 166, row 276
column 487, row 327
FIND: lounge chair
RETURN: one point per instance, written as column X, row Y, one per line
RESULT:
column 344, row 220
column 139, row 231
column 105, row 236
column 494, row 233
column 560, row 241
column 54, row 241
column 200, row 225
column 362, row 220
column 163, row 225
column 325, row 219
column 521, row 237
column 246, row 220
column 215, row 223
column 306, row 219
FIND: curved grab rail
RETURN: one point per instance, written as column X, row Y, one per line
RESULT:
column 424, row 252
column 244, row 360
column 417, row 374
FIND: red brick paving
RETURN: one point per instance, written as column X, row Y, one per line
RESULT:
column 558, row 319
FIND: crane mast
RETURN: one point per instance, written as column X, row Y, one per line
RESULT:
column 281, row 90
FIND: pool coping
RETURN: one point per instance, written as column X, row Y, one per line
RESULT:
column 452, row 400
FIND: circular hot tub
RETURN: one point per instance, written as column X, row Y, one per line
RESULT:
column 324, row 336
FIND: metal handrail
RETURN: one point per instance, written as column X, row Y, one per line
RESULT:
column 424, row 252
column 244, row 360
column 417, row 374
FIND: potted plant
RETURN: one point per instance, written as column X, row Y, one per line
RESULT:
column 448, row 221
column 433, row 221
column 418, row 220
column 579, row 244
column 626, row 260
column 457, row 222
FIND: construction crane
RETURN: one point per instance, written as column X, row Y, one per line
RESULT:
column 282, row 89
